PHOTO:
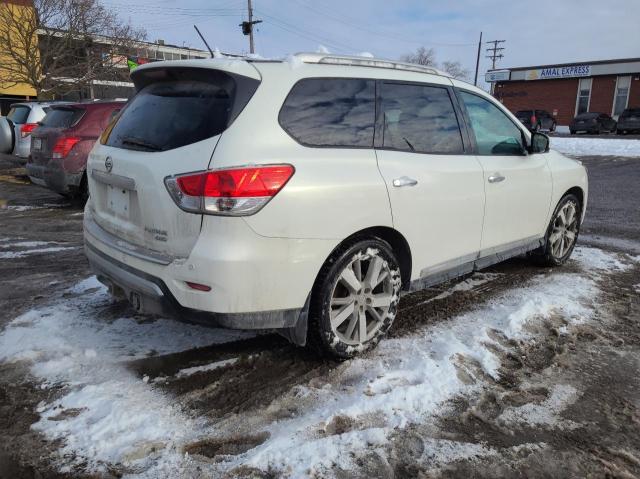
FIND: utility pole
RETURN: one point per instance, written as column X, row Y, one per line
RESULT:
column 475, row 81
column 247, row 27
column 495, row 52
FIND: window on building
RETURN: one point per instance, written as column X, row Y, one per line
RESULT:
column 330, row 112
column 622, row 95
column 419, row 119
column 584, row 95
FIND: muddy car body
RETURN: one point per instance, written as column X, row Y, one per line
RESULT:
column 61, row 143
column 304, row 195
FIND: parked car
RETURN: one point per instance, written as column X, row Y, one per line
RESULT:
column 22, row 119
column 629, row 121
column 537, row 120
column 595, row 123
column 62, row 141
column 256, row 195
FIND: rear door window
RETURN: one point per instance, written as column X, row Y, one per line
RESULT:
column 331, row 112
column 59, row 117
column 19, row 114
column 419, row 119
column 178, row 108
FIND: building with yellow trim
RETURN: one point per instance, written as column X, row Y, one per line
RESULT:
column 11, row 92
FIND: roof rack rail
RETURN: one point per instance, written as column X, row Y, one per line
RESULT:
column 330, row 59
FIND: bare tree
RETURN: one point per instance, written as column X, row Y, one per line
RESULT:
column 422, row 56
column 60, row 46
column 456, row 70
column 427, row 57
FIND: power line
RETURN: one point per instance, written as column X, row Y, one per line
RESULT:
column 496, row 52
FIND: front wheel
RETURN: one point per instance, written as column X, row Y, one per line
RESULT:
column 355, row 298
column 562, row 233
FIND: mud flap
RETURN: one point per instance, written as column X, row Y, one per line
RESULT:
column 298, row 334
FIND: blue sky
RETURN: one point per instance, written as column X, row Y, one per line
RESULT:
column 541, row 32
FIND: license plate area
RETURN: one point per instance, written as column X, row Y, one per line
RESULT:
column 118, row 201
column 37, row 144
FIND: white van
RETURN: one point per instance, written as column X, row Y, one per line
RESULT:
column 305, row 195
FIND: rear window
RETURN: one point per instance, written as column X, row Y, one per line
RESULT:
column 330, row 112
column 631, row 112
column 19, row 114
column 587, row 116
column 178, row 108
column 62, row 117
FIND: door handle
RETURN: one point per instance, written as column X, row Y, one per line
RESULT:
column 496, row 178
column 404, row 181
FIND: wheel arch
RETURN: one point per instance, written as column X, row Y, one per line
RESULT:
column 395, row 239
column 578, row 192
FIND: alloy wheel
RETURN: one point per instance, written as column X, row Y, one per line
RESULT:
column 362, row 297
column 565, row 230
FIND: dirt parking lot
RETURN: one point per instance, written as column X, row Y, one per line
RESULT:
column 518, row 371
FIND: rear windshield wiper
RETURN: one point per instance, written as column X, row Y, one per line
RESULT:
column 139, row 142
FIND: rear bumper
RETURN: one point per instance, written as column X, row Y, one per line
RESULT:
column 150, row 295
column 54, row 177
column 628, row 125
column 256, row 282
column 22, row 147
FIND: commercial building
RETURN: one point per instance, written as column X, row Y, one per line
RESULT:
column 565, row 90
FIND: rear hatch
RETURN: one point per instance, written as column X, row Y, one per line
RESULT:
column 53, row 127
column 170, row 127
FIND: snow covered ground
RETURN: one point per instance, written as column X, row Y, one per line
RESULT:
column 107, row 415
column 577, row 146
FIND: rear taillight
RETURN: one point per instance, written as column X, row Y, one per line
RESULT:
column 233, row 192
column 63, row 146
column 27, row 128
column 533, row 120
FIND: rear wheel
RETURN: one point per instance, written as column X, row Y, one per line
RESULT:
column 553, row 127
column 562, row 233
column 355, row 298
column 573, row 132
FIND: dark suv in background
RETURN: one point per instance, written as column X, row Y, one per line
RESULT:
column 592, row 122
column 536, row 120
column 62, row 141
column 629, row 121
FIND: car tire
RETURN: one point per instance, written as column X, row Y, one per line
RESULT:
column 572, row 132
column 553, row 127
column 562, row 233
column 359, row 275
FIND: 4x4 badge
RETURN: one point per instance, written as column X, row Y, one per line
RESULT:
column 108, row 164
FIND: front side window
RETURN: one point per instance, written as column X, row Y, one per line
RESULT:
column 330, row 112
column 495, row 133
column 419, row 119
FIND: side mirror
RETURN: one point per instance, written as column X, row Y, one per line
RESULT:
column 539, row 143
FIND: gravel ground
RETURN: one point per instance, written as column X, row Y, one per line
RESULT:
column 600, row 360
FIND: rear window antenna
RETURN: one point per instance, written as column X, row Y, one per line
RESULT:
column 205, row 42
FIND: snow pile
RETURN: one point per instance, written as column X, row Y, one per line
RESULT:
column 596, row 146
column 108, row 415
column 546, row 413
column 27, row 248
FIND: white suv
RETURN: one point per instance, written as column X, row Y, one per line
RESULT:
column 305, row 195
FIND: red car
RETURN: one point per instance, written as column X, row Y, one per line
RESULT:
column 62, row 141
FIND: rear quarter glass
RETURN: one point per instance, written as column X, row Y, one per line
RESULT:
column 175, row 107
column 19, row 114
